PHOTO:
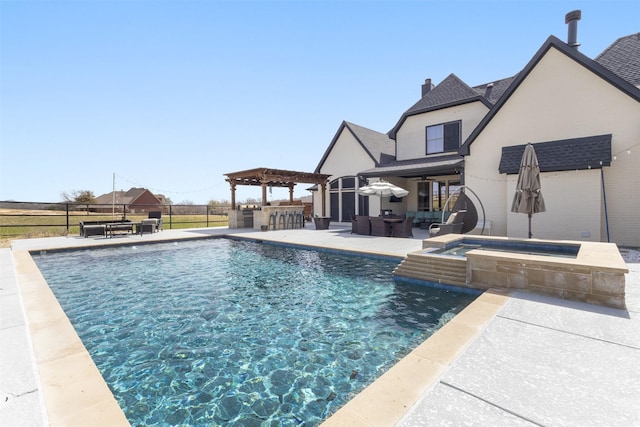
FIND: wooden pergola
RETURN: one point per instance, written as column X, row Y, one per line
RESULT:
column 266, row 177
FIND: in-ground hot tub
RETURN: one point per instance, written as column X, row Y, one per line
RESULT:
column 462, row 247
column 584, row 271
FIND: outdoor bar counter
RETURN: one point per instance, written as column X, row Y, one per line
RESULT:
column 289, row 216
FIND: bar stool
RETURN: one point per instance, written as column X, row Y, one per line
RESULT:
column 291, row 220
column 299, row 220
column 273, row 221
column 282, row 222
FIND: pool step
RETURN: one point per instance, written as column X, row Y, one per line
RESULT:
column 437, row 269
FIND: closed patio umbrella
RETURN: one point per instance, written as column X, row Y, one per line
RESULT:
column 528, row 198
column 382, row 189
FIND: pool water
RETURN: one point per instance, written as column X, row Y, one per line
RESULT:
column 461, row 249
column 225, row 332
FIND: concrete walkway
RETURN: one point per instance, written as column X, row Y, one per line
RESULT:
column 537, row 361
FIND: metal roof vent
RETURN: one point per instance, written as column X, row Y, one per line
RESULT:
column 572, row 19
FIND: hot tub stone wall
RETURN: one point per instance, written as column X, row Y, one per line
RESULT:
column 596, row 275
column 580, row 283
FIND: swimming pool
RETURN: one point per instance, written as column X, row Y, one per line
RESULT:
column 227, row 332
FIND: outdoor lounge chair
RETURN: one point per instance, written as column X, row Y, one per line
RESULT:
column 462, row 220
column 403, row 229
column 452, row 226
column 379, row 227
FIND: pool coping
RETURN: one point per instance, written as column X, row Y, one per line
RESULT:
column 386, row 401
column 75, row 392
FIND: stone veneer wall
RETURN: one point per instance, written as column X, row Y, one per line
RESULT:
column 591, row 284
column 596, row 275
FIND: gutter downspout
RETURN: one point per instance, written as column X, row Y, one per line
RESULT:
column 604, row 198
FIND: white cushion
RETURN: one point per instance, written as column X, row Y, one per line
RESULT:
column 452, row 218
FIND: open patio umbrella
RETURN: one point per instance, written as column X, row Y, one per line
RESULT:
column 382, row 189
column 528, row 198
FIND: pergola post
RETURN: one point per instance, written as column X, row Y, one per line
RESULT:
column 264, row 193
column 291, row 184
column 233, row 194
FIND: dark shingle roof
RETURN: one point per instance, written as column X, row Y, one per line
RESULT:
column 497, row 89
column 623, row 58
column 567, row 154
column 417, row 167
column 451, row 90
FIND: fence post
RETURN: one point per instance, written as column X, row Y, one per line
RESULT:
column 170, row 227
column 67, row 218
column 207, row 208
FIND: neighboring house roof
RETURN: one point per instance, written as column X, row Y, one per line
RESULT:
column 377, row 145
column 416, row 167
column 623, row 58
column 450, row 92
column 591, row 152
column 123, row 197
column 552, row 42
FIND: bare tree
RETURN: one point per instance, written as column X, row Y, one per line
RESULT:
column 78, row 196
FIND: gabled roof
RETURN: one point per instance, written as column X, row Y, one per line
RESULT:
column 450, row 92
column 377, row 145
column 425, row 166
column 591, row 152
column 134, row 193
column 623, row 58
column 552, row 42
column 123, row 197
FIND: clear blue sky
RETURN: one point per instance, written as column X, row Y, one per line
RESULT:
column 170, row 95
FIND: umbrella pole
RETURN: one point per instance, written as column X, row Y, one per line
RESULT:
column 530, row 235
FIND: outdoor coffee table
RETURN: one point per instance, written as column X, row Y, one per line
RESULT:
column 119, row 227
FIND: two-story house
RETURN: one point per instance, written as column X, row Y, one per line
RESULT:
column 581, row 114
column 420, row 154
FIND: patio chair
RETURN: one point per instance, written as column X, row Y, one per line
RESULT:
column 149, row 225
column 403, row 229
column 354, row 224
column 363, row 224
column 418, row 217
column 156, row 215
column 379, row 227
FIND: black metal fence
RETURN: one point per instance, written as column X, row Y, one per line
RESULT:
column 31, row 219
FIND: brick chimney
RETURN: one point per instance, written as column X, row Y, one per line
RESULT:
column 426, row 87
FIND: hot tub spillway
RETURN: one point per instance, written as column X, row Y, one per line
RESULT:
column 436, row 269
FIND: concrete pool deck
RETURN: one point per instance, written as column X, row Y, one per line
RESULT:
column 509, row 358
